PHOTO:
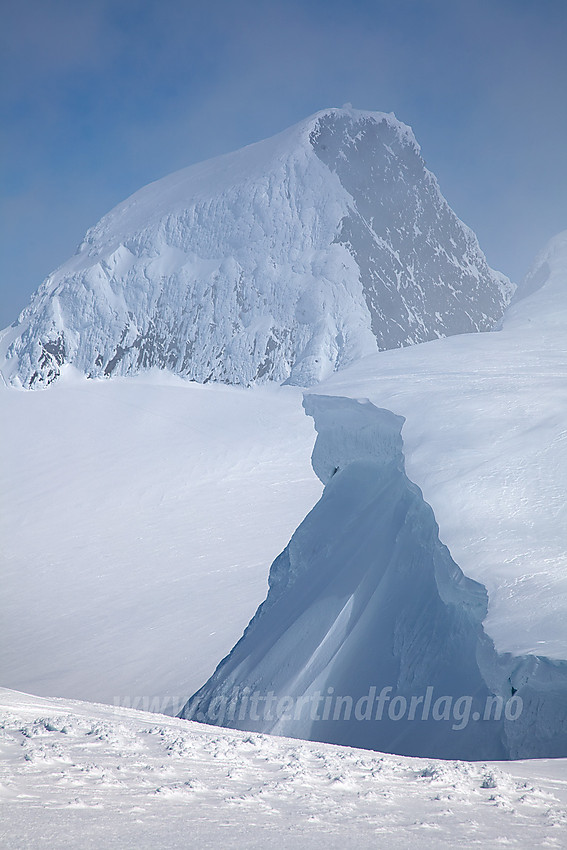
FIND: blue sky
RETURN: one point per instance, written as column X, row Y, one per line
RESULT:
column 99, row 98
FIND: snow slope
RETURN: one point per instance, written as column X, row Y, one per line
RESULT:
column 283, row 261
column 366, row 596
column 76, row 774
column 139, row 518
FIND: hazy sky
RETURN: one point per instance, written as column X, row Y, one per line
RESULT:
column 100, row 97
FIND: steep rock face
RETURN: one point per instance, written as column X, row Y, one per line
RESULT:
column 286, row 260
column 421, row 272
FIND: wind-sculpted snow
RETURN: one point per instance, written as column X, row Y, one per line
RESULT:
column 371, row 635
column 286, row 260
column 82, row 775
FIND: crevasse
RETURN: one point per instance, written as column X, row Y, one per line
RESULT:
column 366, row 601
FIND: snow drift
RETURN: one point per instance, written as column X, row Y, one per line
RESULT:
column 286, row 260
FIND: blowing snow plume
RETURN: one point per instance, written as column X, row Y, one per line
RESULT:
column 284, row 261
column 371, row 636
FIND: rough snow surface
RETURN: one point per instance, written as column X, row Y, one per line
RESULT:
column 283, row 261
column 82, row 775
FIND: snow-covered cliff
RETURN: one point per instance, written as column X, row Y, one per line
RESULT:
column 286, row 260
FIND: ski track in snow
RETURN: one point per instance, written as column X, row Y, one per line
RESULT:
column 78, row 774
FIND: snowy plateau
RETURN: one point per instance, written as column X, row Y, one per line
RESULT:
column 415, row 518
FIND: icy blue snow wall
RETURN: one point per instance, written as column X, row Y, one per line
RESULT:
column 370, row 635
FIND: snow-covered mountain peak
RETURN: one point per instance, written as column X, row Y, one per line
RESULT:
column 358, row 119
column 284, row 261
column 233, row 171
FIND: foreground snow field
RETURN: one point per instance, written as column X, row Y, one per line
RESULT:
column 82, row 775
column 141, row 520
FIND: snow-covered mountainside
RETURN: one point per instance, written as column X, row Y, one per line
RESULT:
column 374, row 633
column 286, row 260
column 82, row 775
